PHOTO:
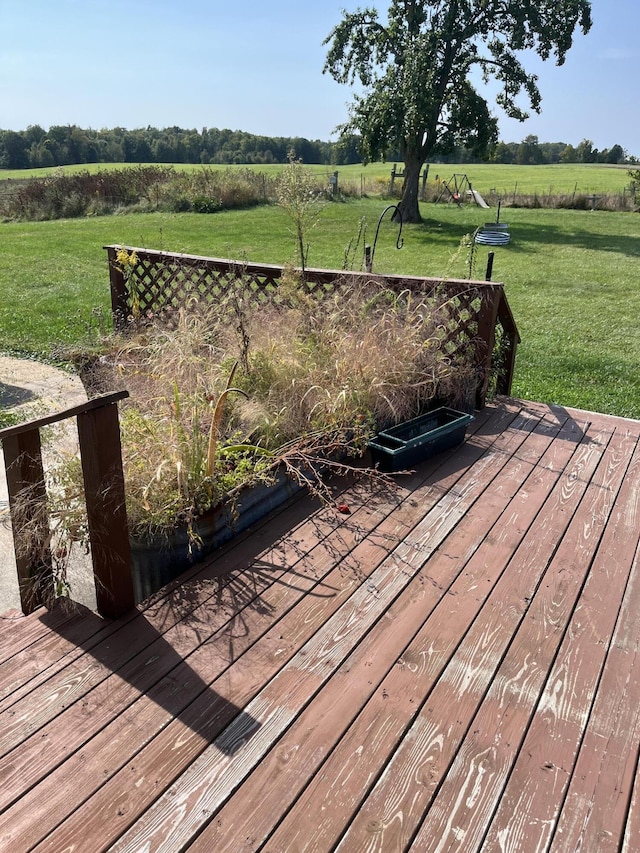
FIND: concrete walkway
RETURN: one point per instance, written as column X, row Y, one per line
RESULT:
column 32, row 390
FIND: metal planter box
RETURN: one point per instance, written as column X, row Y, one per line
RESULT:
column 407, row 444
column 157, row 561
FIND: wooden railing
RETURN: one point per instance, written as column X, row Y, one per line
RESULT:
column 165, row 282
column 101, row 459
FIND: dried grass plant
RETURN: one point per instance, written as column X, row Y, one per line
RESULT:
column 315, row 380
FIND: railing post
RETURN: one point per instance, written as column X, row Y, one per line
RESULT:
column 119, row 295
column 487, row 317
column 512, row 339
column 29, row 517
column 101, row 455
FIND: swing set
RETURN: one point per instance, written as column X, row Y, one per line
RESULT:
column 457, row 189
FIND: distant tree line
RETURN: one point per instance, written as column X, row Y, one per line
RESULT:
column 532, row 152
column 63, row 145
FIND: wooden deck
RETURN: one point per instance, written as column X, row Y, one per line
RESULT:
column 453, row 666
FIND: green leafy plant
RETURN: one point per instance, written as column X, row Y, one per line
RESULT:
column 298, row 195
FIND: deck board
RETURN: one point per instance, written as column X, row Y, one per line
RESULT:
column 452, row 666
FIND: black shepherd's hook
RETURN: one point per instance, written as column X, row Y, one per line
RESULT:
column 399, row 242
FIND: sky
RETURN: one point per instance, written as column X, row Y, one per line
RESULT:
column 257, row 66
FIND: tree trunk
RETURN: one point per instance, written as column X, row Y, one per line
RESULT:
column 410, row 187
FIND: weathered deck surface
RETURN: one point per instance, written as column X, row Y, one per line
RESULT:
column 451, row 667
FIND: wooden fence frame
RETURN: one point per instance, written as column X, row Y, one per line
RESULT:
column 101, row 459
column 158, row 280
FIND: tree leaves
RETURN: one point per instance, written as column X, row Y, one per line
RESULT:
column 414, row 70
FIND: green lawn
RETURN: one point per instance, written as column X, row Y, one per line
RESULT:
column 571, row 279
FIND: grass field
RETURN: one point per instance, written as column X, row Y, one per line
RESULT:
column 571, row 279
column 583, row 178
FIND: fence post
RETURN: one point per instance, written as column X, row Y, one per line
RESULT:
column 119, row 301
column 487, row 317
column 425, row 175
column 392, row 180
column 29, row 517
column 512, row 339
column 101, row 455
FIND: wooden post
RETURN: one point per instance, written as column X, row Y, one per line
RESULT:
column 425, row 175
column 29, row 517
column 119, row 303
column 101, row 455
column 512, row 339
column 490, row 297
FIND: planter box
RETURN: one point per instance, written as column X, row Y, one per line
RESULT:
column 156, row 562
column 407, row 444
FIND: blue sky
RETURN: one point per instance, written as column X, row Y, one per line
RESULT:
column 257, row 66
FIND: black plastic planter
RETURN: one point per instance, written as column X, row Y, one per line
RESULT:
column 409, row 443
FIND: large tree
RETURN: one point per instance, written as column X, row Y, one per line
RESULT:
column 415, row 69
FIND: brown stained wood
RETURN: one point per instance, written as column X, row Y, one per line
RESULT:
column 393, row 810
column 118, row 287
column 161, row 613
column 19, row 633
column 564, row 712
column 367, row 550
column 148, row 672
column 329, row 803
column 101, row 458
column 175, row 748
column 63, row 414
column 368, row 601
column 595, row 809
column 29, row 517
column 201, row 786
column 384, row 540
column 632, row 826
column 360, row 682
column 46, row 652
column 475, row 785
column 24, row 673
column 485, row 341
column 278, row 779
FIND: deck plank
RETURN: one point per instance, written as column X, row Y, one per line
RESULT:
column 452, row 666
column 207, row 782
column 547, row 759
column 457, row 682
column 189, row 747
column 315, row 734
column 475, row 785
column 196, row 656
column 595, row 808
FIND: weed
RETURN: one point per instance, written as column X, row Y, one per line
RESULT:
column 298, row 195
column 303, row 387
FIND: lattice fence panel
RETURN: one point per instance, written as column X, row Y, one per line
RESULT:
column 162, row 283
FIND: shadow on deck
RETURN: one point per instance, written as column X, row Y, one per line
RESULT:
column 452, row 666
